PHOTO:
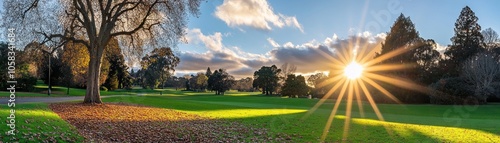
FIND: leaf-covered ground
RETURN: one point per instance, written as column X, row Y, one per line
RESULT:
column 128, row 123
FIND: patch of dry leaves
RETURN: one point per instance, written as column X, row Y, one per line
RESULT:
column 128, row 123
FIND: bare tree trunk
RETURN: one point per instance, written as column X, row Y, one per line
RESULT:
column 92, row 95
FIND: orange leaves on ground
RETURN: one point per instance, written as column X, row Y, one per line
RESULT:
column 127, row 123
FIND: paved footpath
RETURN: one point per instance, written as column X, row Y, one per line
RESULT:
column 47, row 99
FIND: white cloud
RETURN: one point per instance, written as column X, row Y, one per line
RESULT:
column 292, row 21
column 306, row 56
column 254, row 13
column 329, row 40
column 381, row 35
column 213, row 42
column 288, row 45
column 272, row 42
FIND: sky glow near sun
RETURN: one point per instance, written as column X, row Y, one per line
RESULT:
column 242, row 36
column 353, row 70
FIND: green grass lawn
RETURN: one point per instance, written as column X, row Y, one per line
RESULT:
column 35, row 122
column 58, row 91
column 403, row 123
column 416, row 123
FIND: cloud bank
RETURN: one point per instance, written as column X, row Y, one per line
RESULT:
column 257, row 14
column 305, row 56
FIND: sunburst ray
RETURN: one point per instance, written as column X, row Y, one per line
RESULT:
column 334, row 111
column 355, row 85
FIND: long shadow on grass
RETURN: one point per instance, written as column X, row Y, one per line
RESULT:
column 311, row 129
column 411, row 114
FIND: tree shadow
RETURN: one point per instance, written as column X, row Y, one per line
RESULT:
column 426, row 115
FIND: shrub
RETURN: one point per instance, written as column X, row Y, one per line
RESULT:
column 26, row 83
column 451, row 91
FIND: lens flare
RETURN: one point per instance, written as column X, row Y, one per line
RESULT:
column 353, row 70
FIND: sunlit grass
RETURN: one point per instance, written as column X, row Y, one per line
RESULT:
column 353, row 72
column 420, row 123
column 439, row 133
column 409, row 123
column 248, row 113
column 37, row 123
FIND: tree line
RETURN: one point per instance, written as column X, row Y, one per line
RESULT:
column 467, row 71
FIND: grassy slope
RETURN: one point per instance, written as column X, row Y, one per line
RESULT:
column 36, row 123
column 405, row 122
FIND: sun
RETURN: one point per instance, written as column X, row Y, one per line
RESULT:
column 355, row 75
column 353, row 70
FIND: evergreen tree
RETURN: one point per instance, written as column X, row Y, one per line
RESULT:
column 468, row 41
column 402, row 34
column 209, row 72
column 421, row 56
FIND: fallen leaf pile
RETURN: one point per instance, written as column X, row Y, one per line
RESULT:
column 127, row 123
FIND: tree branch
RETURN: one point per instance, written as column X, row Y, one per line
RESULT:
column 34, row 4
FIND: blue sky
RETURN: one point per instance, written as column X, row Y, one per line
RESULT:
column 234, row 30
column 243, row 35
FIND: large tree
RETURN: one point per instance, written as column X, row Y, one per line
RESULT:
column 420, row 56
column 467, row 41
column 267, row 79
column 94, row 22
column 286, row 69
column 427, row 62
column 244, row 85
column 402, row 34
column 295, row 86
column 118, row 76
column 158, row 66
column 220, row 81
column 490, row 38
column 315, row 81
column 208, row 73
column 201, row 81
column 481, row 70
column 75, row 57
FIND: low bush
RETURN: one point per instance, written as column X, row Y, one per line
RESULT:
column 26, row 83
column 454, row 90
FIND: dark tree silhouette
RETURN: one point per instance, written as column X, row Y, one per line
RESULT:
column 220, row 81
column 267, row 79
column 467, row 42
column 419, row 58
column 490, row 38
column 295, row 86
